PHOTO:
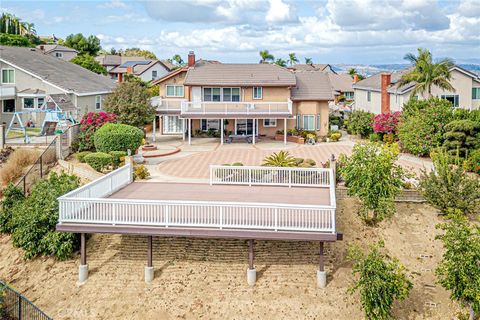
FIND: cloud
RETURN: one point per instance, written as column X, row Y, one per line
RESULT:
column 280, row 11
column 113, row 4
column 469, row 8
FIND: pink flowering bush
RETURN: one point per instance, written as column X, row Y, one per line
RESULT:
column 90, row 124
column 386, row 123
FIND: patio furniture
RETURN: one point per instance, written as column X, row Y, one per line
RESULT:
column 247, row 137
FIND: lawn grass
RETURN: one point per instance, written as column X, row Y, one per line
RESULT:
column 19, row 134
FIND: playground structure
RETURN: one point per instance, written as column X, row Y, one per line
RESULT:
column 58, row 111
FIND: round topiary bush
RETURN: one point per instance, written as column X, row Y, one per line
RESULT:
column 98, row 160
column 117, row 137
column 81, row 155
column 117, row 157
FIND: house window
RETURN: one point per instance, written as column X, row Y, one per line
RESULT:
column 40, row 102
column 269, row 123
column 28, row 103
column 453, row 98
column 174, row 91
column 348, row 95
column 58, row 54
column 298, row 125
column 154, row 74
column 257, row 93
column 369, row 96
column 309, row 122
column 210, row 124
column 476, row 93
column 98, row 102
column 221, row 94
column 8, row 76
column 318, row 122
column 8, row 106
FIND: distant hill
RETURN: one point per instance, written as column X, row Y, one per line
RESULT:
column 371, row 69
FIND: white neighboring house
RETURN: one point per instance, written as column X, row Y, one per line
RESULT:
column 58, row 51
column 27, row 77
column 379, row 93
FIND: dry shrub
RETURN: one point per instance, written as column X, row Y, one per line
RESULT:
column 14, row 167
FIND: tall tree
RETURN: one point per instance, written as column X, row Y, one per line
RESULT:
column 266, row 57
column 425, row 73
column 308, row 61
column 88, row 62
column 292, row 59
column 177, row 60
column 89, row 45
column 137, row 52
column 280, row 62
column 353, row 72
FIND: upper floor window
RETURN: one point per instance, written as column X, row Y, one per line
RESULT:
column 58, row 54
column 174, row 91
column 154, row 74
column 8, row 106
column 8, row 76
column 476, row 93
column 221, row 94
column 453, row 98
column 369, row 96
column 98, row 102
column 257, row 93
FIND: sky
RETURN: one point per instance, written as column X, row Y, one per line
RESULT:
column 328, row 31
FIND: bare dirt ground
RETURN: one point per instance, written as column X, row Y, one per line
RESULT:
column 205, row 279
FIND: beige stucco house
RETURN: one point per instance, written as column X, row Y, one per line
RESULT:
column 379, row 93
column 242, row 99
column 28, row 77
column 58, row 51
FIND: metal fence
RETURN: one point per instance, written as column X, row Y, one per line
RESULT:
column 14, row 305
column 403, row 196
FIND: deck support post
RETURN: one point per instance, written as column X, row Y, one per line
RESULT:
column 285, row 131
column 83, row 268
column 251, row 272
column 253, row 130
column 183, row 129
column 154, row 128
column 149, row 268
column 189, row 131
column 333, row 166
column 321, row 273
column 221, row 130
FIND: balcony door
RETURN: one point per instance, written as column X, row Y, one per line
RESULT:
column 197, row 97
column 245, row 126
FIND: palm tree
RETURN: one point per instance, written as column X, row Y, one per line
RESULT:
column 281, row 159
column 266, row 56
column 425, row 73
column 280, row 62
column 308, row 61
column 292, row 59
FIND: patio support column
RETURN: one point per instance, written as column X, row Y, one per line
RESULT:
column 183, row 129
column 154, row 129
column 189, row 131
column 221, row 130
column 253, row 130
column 83, row 268
column 285, row 131
column 149, row 267
column 251, row 272
column 333, row 166
column 321, row 274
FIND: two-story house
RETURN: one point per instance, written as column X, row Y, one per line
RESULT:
column 58, row 51
column 380, row 92
column 242, row 99
column 28, row 77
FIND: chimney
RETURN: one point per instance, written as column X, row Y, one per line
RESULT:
column 42, row 47
column 355, row 78
column 191, row 59
column 129, row 70
column 385, row 83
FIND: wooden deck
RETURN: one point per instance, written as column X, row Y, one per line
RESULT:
column 224, row 193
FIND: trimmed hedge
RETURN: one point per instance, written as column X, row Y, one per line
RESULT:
column 81, row 156
column 117, row 157
column 99, row 160
column 360, row 122
column 117, row 137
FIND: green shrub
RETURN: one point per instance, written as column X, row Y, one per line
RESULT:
column 35, row 218
column 298, row 161
column 140, row 172
column 11, row 197
column 117, row 157
column 375, row 137
column 335, row 136
column 371, row 174
column 422, row 125
column 117, row 137
column 473, row 161
column 448, row 187
column 99, row 160
column 360, row 122
column 280, row 159
column 311, row 162
column 237, row 164
column 461, row 136
column 81, row 156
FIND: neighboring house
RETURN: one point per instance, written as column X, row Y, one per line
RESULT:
column 28, row 76
column 342, row 85
column 312, row 67
column 380, row 92
column 251, row 99
column 146, row 69
column 58, row 51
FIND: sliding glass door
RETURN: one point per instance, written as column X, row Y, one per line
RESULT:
column 172, row 125
column 245, row 126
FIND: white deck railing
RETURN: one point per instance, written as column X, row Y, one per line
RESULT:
column 247, row 108
column 276, row 176
column 167, row 105
column 89, row 205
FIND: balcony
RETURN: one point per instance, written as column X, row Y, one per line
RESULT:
column 218, row 109
column 167, row 106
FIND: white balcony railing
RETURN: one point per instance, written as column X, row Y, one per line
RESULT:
column 167, row 105
column 247, row 108
column 276, row 176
